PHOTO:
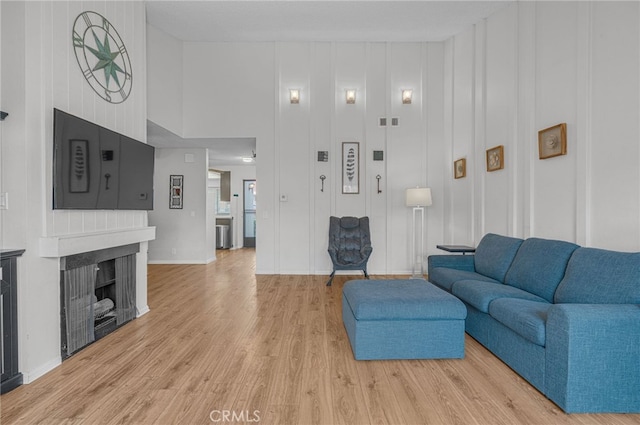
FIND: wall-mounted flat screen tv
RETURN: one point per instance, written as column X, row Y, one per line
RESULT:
column 95, row 168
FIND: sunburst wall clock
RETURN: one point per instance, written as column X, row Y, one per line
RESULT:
column 102, row 57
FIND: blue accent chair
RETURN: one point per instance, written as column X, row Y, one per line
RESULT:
column 349, row 244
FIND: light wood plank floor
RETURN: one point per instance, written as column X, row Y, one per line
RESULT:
column 271, row 350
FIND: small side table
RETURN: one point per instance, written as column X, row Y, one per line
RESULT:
column 456, row 248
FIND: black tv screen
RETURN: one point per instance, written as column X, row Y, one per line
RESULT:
column 96, row 168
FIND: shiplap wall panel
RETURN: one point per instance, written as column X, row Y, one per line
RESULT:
column 574, row 62
column 615, row 175
column 66, row 89
column 461, row 137
column 554, row 179
column 294, row 152
column 45, row 75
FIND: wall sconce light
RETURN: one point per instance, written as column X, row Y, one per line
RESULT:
column 406, row 96
column 350, row 95
column 294, row 96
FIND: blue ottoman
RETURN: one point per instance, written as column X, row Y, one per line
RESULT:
column 402, row 319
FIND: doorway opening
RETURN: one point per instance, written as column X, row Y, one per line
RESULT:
column 249, row 212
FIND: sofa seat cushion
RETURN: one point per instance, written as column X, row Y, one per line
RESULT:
column 539, row 266
column 598, row 276
column 526, row 318
column 445, row 277
column 480, row 294
column 494, row 255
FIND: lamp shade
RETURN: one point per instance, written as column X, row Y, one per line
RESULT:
column 419, row 197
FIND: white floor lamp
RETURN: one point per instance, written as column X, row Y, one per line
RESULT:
column 418, row 198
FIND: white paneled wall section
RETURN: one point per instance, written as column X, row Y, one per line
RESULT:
column 40, row 73
column 232, row 99
column 528, row 67
column 525, row 68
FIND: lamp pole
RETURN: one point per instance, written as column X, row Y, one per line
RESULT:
column 417, row 252
column 417, row 198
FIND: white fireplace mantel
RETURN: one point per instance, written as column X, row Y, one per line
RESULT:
column 64, row 245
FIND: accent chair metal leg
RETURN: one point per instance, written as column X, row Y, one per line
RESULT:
column 331, row 278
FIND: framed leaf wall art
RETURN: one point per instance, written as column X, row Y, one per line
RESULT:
column 350, row 167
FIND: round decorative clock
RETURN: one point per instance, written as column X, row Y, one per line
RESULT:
column 102, row 57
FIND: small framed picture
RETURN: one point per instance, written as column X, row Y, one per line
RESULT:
column 495, row 158
column 460, row 168
column 175, row 191
column 351, row 167
column 552, row 141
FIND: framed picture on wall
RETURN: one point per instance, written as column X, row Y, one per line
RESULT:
column 350, row 167
column 175, row 191
column 460, row 168
column 495, row 158
column 552, row 141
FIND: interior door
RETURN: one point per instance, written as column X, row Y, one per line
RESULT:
column 249, row 202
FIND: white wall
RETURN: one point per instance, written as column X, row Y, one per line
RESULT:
column 181, row 234
column 242, row 90
column 526, row 68
column 164, row 61
column 611, row 175
column 1, row 127
column 39, row 73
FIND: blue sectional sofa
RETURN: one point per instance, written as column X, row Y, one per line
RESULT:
column 566, row 318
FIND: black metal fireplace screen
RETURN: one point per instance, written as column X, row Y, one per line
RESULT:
column 98, row 295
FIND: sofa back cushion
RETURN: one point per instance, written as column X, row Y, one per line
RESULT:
column 494, row 255
column 539, row 266
column 598, row 276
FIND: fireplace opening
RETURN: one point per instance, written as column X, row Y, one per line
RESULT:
column 97, row 295
column 104, row 305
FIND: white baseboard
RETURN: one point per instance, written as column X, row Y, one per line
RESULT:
column 30, row 376
column 175, row 262
column 144, row 310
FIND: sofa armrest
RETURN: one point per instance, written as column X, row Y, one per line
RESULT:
column 458, row 262
column 593, row 357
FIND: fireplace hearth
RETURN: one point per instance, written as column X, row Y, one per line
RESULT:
column 97, row 295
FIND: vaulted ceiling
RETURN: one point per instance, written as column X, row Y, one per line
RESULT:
column 303, row 21
column 326, row 20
